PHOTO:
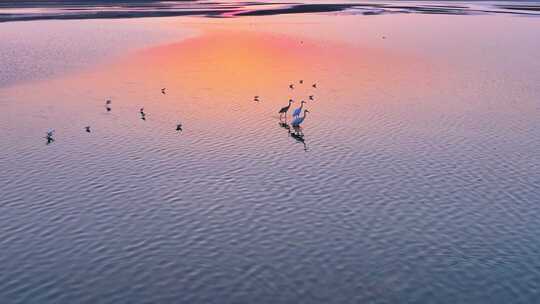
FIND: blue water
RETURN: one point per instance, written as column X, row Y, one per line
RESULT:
column 423, row 190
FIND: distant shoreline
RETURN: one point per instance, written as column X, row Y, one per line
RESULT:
column 115, row 9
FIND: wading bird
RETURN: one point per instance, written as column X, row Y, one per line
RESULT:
column 284, row 110
column 143, row 115
column 49, row 137
column 299, row 120
column 297, row 111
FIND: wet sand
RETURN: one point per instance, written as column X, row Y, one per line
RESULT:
column 61, row 10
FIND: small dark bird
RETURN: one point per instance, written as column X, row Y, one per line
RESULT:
column 291, row 86
column 179, row 127
column 87, row 128
column 310, row 97
column 107, row 103
column 314, row 85
column 143, row 115
column 256, row 98
column 49, row 137
column 163, row 91
column 285, row 109
column 301, row 81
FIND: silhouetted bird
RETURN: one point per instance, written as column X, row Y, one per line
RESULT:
column 291, row 86
column 285, row 109
column 297, row 111
column 314, row 85
column 256, row 98
column 143, row 115
column 163, row 91
column 87, row 128
column 49, row 137
column 107, row 103
column 310, row 97
column 179, row 127
column 301, row 81
column 298, row 121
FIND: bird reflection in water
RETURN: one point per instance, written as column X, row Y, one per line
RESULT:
column 297, row 135
column 285, row 125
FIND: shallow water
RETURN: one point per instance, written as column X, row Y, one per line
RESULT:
column 418, row 182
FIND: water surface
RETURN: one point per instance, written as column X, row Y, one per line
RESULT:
column 418, row 181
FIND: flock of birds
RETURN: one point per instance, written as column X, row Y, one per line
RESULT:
column 298, row 118
column 108, row 107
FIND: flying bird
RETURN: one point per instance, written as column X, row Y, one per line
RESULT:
column 314, row 85
column 297, row 111
column 301, row 81
column 179, row 127
column 310, row 97
column 285, row 109
column 87, row 128
column 291, row 86
column 107, row 103
column 256, row 98
column 163, row 91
